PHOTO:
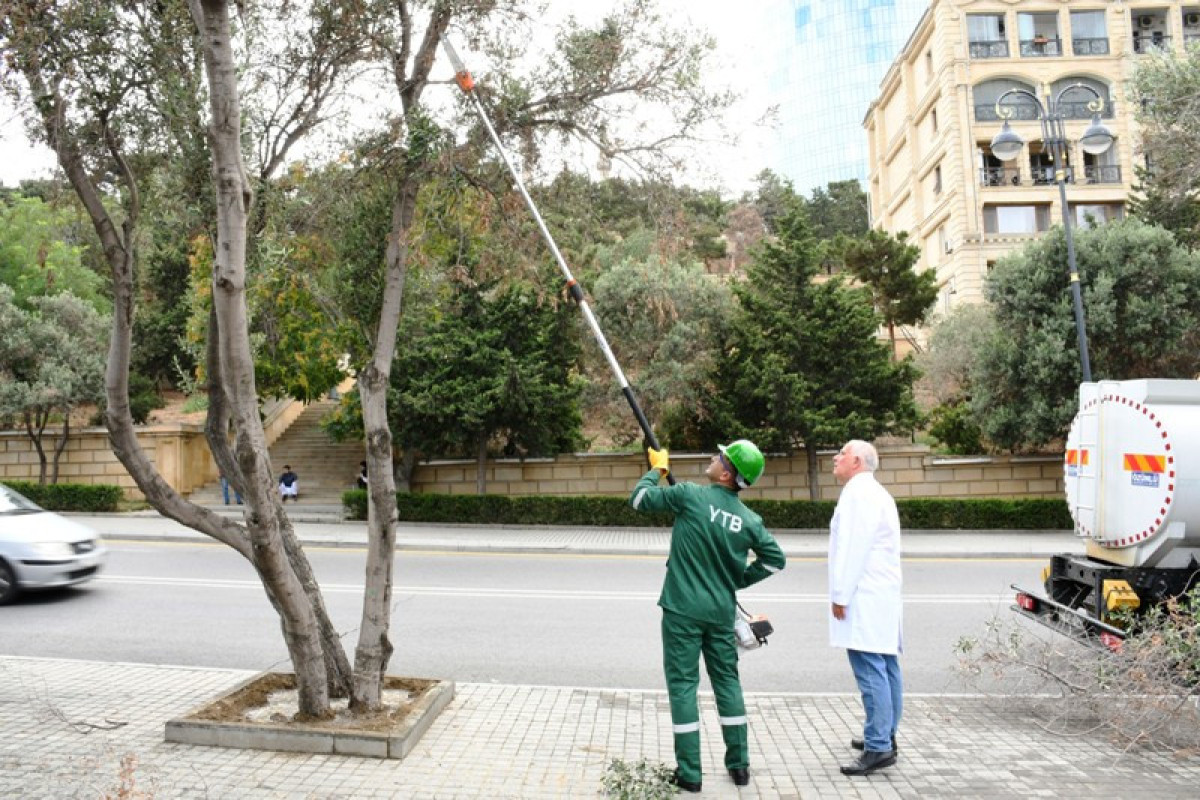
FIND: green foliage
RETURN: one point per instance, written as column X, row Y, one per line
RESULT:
column 637, row 780
column 40, row 254
column 1141, row 295
column 144, row 397
column 954, row 426
column 664, row 320
column 954, row 342
column 1164, row 90
column 802, row 365
column 842, row 207
column 95, row 497
column 612, row 511
column 884, row 264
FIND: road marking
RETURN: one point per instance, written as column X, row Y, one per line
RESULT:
column 532, row 594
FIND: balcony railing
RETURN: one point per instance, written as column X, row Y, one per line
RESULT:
column 989, row 48
column 1027, row 112
column 1090, row 47
column 1041, row 46
column 1153, row 43
column 1043, row 176
column 986, row 112
column 999, row 176
column 1082, row 110
column 1102, row 173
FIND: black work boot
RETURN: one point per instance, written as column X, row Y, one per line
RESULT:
column 687, row 786
column 870, row 761
column 740, row 775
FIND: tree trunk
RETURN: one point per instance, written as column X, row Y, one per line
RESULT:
column 35, row 436
column 62, row 444
column 892, row 338
column 374, row 649
column 810, row 455
column 264, row 510
column 481, row 467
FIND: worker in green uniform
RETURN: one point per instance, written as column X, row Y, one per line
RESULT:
column 712, row 535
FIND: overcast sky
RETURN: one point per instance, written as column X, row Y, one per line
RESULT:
column 729, row 167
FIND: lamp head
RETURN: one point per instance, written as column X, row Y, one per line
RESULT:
column 1007, row 143
column 1097, row 138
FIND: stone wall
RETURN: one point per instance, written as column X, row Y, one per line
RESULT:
column 178, row 451
column 906, row 471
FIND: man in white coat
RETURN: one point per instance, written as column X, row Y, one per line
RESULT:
column 864, row 593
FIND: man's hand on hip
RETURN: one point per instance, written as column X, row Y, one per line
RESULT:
column 839, row 612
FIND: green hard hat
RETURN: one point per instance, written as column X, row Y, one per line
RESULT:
column 746, row 459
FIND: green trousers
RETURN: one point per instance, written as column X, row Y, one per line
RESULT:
column 684, row 639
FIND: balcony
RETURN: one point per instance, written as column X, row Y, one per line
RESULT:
column 999, row 176
column 1089, row 47
column 1082, row 109
column 1154, row 43
column 1044, row 176
column 1041, row 46
column 993, row 48
column 1102, row 173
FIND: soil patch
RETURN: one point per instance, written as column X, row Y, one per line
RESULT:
column 273, row 699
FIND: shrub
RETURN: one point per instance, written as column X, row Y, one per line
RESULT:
column 953, row 425
column 613, row 511
column 637, row 780
column 70, row 496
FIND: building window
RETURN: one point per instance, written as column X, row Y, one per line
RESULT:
column 993, row 171
column 1089, row 34
column 1087, row 215
column 1151, row 32
column 1077, row 104
column 933, row 119
column 988, row 267
column 1016, row 219
column 1102, row 168
column 1191, row 25
column 986, row 93
column 986, row 36
column 937, row 180
column 928, row 65
column 1039, row 34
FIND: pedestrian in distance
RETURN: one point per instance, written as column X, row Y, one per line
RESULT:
column 289, row 485
column 225, row 491
column 710, row 540
column 865, row 603
column 361, row 481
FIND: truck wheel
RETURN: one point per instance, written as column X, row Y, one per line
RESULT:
column 8, row 583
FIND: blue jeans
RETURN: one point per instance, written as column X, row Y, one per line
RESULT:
column 878, row 678
column 225, row 491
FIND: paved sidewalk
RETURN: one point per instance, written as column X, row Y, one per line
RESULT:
column 66, row 726
column 558, row 539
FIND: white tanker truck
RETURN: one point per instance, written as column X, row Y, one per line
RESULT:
column 1132, row 470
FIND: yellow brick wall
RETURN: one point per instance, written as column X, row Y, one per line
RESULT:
column 181, row 455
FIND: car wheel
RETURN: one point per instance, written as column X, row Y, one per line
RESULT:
column 8, row 583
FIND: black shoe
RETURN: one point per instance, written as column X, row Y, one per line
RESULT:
column 870, row 761
column 859, row 744
column 740, row 775
column 687, row 786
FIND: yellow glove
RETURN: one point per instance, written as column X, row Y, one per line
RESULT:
column 658, row 460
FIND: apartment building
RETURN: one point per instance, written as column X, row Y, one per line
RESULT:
column 932, row 170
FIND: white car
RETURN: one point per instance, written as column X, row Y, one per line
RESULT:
column 41, row 550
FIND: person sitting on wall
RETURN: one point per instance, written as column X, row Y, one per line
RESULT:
column 362, row 475
column 289, row 484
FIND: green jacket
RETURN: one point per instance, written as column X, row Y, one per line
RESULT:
column 712, row 535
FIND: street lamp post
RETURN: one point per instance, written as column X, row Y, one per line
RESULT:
column 1095, row 140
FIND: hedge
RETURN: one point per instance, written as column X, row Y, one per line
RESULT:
column 70, row 496
column 915, row 513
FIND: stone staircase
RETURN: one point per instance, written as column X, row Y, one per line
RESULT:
column 326, row 468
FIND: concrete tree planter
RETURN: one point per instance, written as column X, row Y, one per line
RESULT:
column 256, row 714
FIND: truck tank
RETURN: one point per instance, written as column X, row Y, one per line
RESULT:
column 1132, row 472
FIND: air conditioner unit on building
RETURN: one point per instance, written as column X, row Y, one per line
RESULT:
column 1191, row 20
column 1146, row 21
column 947, row 246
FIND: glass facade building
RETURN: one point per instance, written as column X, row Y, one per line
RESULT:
column 824, row 61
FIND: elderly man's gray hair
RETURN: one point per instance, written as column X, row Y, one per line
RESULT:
column 866, row 451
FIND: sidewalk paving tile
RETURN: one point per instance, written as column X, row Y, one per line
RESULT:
column 66, row 725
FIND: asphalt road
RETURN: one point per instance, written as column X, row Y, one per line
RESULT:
column 562, row 620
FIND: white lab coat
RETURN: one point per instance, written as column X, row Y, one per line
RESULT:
column 864, row 568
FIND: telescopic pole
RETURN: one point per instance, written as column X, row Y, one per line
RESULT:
column 465, row 82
